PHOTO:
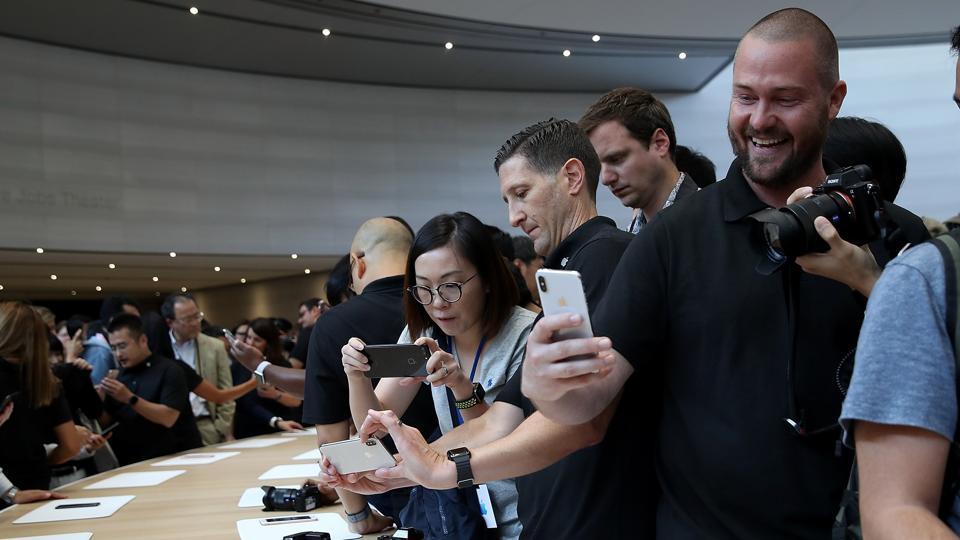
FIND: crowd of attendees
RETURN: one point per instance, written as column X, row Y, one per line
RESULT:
column 725, row 395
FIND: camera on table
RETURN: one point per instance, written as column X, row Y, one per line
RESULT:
column 303, row 499
column 849, row 198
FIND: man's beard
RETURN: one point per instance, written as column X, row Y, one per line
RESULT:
column 792, row 168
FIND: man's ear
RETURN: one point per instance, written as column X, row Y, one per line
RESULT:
column 660, row 142
column 836, row 98
column 574, row 176
column 361, row 267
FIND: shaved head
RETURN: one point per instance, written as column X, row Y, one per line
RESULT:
column 382, row 237
column 795, row 24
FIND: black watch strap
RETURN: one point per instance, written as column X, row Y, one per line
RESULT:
column 133, row 400
column 461, row 458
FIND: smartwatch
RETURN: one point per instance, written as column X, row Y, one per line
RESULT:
column 258, row 373
column 461, row 457
column 133, row 400
column 10, row 495
column 472, row 401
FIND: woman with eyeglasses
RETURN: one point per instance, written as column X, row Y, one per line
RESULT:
column 461, row 303
column 269, row 409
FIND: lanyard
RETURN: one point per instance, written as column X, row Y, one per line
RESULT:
column 451, row 399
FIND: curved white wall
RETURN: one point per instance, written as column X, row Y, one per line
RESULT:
column 114, row 154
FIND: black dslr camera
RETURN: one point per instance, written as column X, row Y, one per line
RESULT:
column 304, row 499
column 848, row 198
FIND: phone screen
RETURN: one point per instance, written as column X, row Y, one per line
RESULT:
column 286, row 519
column 77, row 505
column 230, row 337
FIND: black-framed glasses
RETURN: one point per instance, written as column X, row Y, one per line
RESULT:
column 448, row 292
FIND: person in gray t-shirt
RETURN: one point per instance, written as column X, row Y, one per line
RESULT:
column 901, row 409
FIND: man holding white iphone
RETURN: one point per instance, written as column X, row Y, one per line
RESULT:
column 549, row 174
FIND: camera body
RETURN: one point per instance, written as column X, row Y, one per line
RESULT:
column 304, row 499
column 849, row 198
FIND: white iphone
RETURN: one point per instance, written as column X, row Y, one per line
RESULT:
column 351, row 455
column 561, row 291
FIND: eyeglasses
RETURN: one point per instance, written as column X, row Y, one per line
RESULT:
column 191, row 318
column 448, row 292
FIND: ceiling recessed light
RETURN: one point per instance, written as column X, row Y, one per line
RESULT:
column 216, row 268
column 157, row 293
column 596, row 38
column 306, row 270
column 53, row 276
column 73, row 293
column 183, row 289
column 194, row 10
column 325, row 32
column 448, row 45
column 39, row 250
column 293, row 255
column 1, row 287
column 155, row 278
column 173, row 253
column 566, row 52
column 243, row 280
column 98, row 288
column 682, row 55
column 111, row 266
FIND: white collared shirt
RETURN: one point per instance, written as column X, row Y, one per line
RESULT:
column 187, row 353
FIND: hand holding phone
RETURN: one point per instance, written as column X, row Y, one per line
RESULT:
column 396, row 360
column 8, row 400
column 230, row 337
column 561, row 291
column 353, row 456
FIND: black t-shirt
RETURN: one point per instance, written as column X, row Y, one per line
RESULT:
column 376, row 317
column 22, row 456
column 158, row 380
column 740, row 352
column 589, row 494
column 302, row 348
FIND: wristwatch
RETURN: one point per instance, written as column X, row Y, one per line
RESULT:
column 10, row 495
column 359, row 516
column 472, row 401
column 461, row 457
column 133, row 400
column 258, row 373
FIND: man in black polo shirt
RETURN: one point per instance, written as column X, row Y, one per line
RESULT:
column 307, row 314
column 148, row 398
column 548, row 178
column 378, row 258
column 748, row 441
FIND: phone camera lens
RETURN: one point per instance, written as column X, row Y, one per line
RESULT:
column 543, row 283
column 370, row 443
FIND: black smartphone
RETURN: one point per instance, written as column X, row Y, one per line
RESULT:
column 77, row 505
column 9, row 399
column 396, row 360
column 109, row 428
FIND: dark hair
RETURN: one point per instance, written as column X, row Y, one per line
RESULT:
column 547, row 145
column 56, row 346
column 698, row 166
column 468, row 237
column 167, row 308
column 309, row 303
column 794, row 24
column 523, row 249
column 243, row 322
column 266, row 330
column 403, row 222
column 213, row 331
column 131, row 322
column 501, row 240
column 638, row 110
column 114, row 304
column 955, row 41
column 76, row 322
column 338, row 282
column 284, row 325
column 524, row 296
column 856, row 141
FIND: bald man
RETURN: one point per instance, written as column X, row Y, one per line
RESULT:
column 378, row 257
column 748, row 445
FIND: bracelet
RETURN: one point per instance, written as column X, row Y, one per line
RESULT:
column 273, row 422
column 359, row 516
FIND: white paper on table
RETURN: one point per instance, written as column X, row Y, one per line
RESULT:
column 307, row 470
column 69, row 536
column 195, row 459
column 250, row 529
column 256, row 443
column 49, row 512
column 312, row 432
column 253, row 497
column 313, row 455
column 136, row 479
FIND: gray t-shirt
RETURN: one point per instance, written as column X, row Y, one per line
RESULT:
column 499, row 360
column 904, row 371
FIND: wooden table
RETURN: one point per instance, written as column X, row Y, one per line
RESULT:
column 201, row 503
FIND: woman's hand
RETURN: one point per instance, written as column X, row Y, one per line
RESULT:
column 249, row 357
column 355, row 363
column 289, row 425
column 444, row 369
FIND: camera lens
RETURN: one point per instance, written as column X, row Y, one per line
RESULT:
column 543, row 283
column 370, row 443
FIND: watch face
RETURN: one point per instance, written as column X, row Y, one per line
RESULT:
column 457, row 453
